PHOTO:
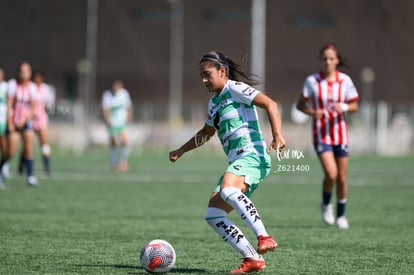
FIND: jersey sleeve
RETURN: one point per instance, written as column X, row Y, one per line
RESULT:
column 106, row 101
column 50, row 95
column 33, row 92
column 243, row 93
column 128, row 102
column 307, row 87
column 209, row 118
column 351, row 93
column 11, row 88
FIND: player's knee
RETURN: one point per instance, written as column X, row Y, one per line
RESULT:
column 46, row 150
column 213, row 215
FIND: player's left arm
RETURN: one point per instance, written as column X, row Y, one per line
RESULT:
column 351, row 98
column 263, row 101
column 129, row 108
column 201, row 137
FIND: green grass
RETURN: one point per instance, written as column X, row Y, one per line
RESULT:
column 86, row 220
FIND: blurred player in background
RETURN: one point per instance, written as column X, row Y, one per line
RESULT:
column 332, row 94
column 41, row 121
column 232, row 114
column 3, row 119
column 21, row 103
column 117, row 113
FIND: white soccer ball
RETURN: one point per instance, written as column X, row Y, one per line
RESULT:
column 157, row 256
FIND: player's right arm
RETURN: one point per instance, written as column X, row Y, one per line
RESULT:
column 303, row 106
column 197, row 140
column 106, row 113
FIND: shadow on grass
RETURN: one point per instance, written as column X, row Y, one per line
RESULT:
column 138, row 267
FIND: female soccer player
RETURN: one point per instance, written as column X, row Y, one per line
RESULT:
column 3, row 119
column 117, row 112
column 40, row 119
column 22, row 102
column 332, row 94
column 232, row 114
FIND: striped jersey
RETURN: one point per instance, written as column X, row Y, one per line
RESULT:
column 117, row 103
column 235, row 118
column 45, row 98
column 23, row 96
column 332, row 127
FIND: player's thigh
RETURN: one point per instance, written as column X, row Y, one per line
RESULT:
column 329, row 165
column 232, row 180
column 13, row 139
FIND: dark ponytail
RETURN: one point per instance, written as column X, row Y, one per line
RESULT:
column 343, row 61
column 234, row 70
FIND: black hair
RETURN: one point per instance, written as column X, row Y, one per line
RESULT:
column 37, row 72
column 343, row 61
column 234, row 70
column 21, row 63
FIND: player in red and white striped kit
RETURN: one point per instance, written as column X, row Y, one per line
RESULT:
column 21, row 103
column 41, row 120
column 331, row 95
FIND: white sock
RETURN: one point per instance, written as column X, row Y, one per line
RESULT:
column 246, row 209
column 230, row 233
column 113, row 156
column 124, row 153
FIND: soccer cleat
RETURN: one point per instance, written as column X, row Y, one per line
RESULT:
column 249, row 265
column 342, row 222
column 123, row 166
column 327, row 214
column 32, row 181
column 265, row 244
column 5, row 171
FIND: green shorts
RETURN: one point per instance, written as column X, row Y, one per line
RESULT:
column 114, row 131
column 253, row 168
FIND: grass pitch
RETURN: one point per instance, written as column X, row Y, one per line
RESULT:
column 86, row 220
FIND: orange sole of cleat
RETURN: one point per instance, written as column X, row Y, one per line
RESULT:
column 249, row 266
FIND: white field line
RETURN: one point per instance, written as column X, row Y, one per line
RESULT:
column 194, row 178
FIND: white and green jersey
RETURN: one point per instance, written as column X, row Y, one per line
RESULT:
column 117, row 103
column 3, row 102
column 235, row 118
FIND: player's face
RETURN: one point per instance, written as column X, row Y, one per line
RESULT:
column 25, row 72
column 214, row 79
column 38, row 78
column 329, row 60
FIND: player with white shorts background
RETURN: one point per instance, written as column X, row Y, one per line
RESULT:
column 117, row 113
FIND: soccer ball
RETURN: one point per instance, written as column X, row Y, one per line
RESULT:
column 157, row 256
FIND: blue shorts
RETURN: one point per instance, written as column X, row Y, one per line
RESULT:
column 339, row 151
column 27, row 126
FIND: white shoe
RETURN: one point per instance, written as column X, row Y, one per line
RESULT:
column 5, row 171
column 342, row 222
column 327, row 214
column 32, row 181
